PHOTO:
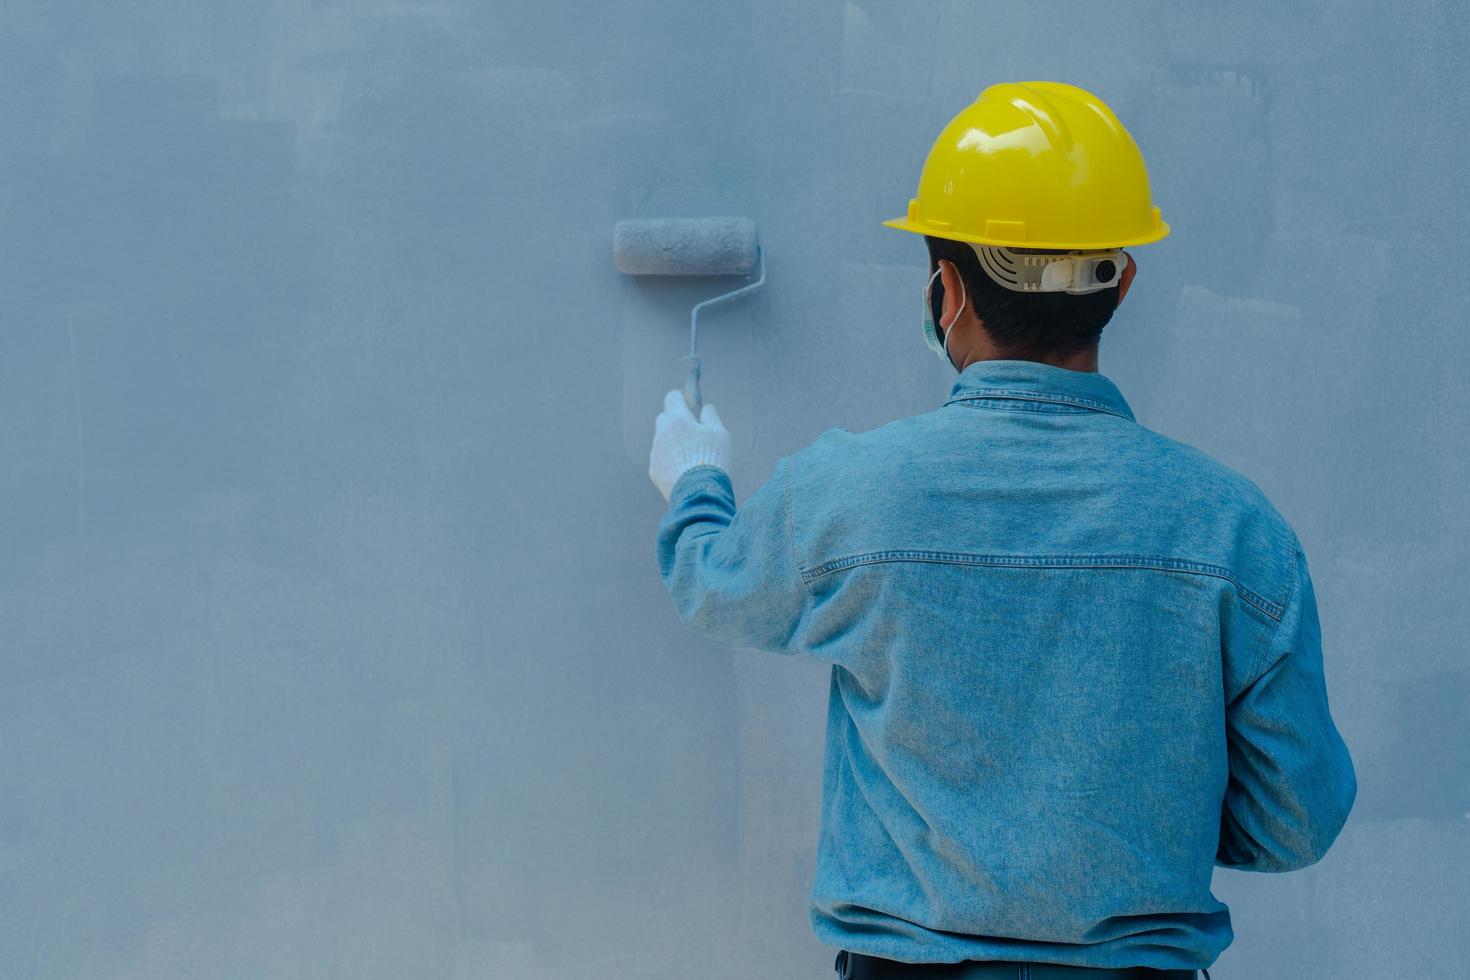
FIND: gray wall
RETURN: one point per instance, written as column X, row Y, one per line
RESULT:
column 331, row 640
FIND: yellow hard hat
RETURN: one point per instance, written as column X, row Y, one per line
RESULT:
column 1035, row 165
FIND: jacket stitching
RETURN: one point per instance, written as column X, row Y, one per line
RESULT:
column 1263, row 664
column 973, row 394
column 1271, row 608
column 806, row 590
column 1045, row 408
column 791, row 530
column 1027, row 395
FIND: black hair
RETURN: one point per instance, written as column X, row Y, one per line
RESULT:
column 1024, row 326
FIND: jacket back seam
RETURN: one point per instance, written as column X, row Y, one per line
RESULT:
column 1273, row 610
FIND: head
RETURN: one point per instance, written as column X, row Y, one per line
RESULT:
column 995, row 322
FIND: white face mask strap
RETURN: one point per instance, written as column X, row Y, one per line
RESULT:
column 964, row 298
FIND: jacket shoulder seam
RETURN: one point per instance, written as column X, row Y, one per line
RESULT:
column 1263, row 663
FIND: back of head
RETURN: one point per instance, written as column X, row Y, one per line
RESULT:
column 1026, row 325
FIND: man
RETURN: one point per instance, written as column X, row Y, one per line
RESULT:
column 1075, row 664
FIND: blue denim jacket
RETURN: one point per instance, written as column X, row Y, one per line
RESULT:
column 1075, row 665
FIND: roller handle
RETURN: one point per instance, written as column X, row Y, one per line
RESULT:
column 692, row 396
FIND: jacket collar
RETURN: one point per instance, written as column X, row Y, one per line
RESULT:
column 1035, row 381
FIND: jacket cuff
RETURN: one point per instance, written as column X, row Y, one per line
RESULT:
column 697, row 476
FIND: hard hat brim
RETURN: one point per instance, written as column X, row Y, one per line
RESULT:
column 919, row 228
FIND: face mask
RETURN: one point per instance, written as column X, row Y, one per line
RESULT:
column 931, row 336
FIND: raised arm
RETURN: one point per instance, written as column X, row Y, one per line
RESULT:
column 733, row 574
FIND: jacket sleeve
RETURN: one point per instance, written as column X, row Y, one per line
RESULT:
column 733, row 575
column 1291, row 779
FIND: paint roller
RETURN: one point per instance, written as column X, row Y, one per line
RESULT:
column 690, row 247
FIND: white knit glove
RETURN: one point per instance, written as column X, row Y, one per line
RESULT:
column 681, row 441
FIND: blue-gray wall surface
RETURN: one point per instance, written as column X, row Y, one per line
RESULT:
column 331, row 638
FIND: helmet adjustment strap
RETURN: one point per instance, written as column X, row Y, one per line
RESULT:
column 1077, row 271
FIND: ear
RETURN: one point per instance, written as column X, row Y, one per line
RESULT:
column 954, row 294
column 1127, row 279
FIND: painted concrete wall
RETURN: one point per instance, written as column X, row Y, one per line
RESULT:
column 331, row 641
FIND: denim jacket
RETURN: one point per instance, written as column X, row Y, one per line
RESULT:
column 1075, row 666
